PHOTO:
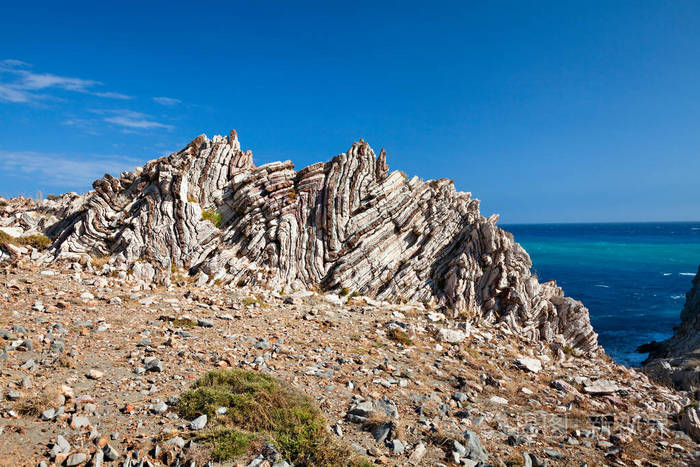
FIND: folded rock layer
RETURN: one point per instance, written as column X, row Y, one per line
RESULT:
column 346, row 225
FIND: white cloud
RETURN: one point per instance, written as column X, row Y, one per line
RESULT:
column 61, row 170
column 10, row 94
column 23, row 83
column 169, row 101
column 132, row 120
column 112, row 95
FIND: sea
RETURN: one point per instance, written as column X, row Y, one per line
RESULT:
column 633, row 277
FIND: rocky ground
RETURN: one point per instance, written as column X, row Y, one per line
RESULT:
column 93, row 367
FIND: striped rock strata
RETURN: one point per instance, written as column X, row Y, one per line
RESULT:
column 347, row 224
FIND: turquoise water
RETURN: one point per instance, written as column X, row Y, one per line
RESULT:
column 632, row 277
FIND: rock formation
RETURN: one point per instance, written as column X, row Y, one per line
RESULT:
column 676, row 361
column 347, row 225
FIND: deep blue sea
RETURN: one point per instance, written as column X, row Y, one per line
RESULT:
column 632, row 277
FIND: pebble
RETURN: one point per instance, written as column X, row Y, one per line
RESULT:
column 198, row 423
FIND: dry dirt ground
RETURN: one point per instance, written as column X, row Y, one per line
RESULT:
column 101, row 364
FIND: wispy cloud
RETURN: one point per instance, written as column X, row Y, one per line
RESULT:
column 132, row 120
column 19, row 84
column 169, row 101
column 61, row 170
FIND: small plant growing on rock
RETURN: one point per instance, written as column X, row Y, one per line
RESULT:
column 212, row 216
column 344, row 292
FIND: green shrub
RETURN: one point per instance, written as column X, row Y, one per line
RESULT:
column 261, row 409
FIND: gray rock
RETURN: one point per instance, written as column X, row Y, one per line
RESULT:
column 98, row 458
column 110, row 453
column 154, row 365
column 78, row 422
column 475, row 451
column 362, row 409
column 160, row 407
column 601, row 386
column 532, row 365
column 459, row 448
column 205, row 323
column 62, row 444
column 553, row 453
column 397, row 447
column 381, row 432
column 48, row 414
column 13, row 395
column 76, row 459
column 198, row 423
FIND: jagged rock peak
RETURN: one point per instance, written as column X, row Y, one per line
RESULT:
column 345, row 225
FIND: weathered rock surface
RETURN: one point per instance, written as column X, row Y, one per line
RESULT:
column 348, row 224
column 676, row 361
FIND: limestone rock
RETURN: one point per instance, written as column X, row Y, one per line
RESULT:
column 347, row 225
column 689, row 420
column 532, row 365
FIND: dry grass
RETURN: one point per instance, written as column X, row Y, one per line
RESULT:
column 397, row 335
column 98, row 262
column 39, row 242
column 35, row 402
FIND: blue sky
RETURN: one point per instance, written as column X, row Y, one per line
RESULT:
column 546, row 111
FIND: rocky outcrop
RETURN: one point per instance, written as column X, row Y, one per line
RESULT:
column 676, row 361
column 347, row 225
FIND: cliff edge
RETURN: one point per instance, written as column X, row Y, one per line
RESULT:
column 676, row 361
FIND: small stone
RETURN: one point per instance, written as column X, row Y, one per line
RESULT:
column 601, row 386
column 397, row 447
column 110, row 453
column 381, row 432
column 76, row 459
column 160, row 407
column 532, row 365
column 154, row 365
column 95, row 374
column 77, row 422
column 452, row 336
column 62, row 444
column 417, row 454
column 498, row 400
column 198, row 423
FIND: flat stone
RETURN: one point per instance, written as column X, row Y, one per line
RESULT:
column 76, row 459
column 532, row 365
column 601, row 386
column 452, row 336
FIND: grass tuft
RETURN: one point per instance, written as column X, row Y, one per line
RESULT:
column 212, row 216
column 397, row 335
column 40, row 242
column 261, row 409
